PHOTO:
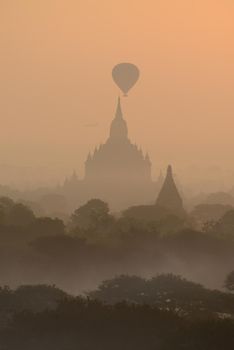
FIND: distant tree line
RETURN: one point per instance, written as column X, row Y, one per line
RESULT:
column 95, row 244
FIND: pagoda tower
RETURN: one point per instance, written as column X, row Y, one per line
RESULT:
column 169, row 197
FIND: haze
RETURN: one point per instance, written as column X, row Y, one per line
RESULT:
column 58, row 98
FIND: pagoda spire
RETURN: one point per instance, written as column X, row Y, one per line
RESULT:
column 118, row 129
column 119, row 113
column 169, row 197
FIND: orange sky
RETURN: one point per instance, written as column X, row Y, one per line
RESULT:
column 55, row 68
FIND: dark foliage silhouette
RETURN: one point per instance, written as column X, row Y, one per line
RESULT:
column 91, row 215
column 46, row 226
column 167, row 292
column 96, row 246
column 229, row 282
column 14, row 214
column 82, row 323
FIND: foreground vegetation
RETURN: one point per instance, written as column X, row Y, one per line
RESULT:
column 130, row 311
column 178, row 315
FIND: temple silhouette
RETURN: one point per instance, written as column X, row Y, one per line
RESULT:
column 118, row 160
column 117, row 171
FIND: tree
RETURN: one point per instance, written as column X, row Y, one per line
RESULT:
column 209, row 212
column 46, row 226
column 229, row 282
column 156, row 216
column 128, row 288
column 6, row 205
column 15, row 214
column 37, row 297
column 92, row 215
column 20, row 215
column 225, row 226
column 167, row 292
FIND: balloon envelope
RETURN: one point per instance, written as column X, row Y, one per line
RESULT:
column 125, row 75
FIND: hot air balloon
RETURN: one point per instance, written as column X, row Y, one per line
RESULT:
column 125, row 75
